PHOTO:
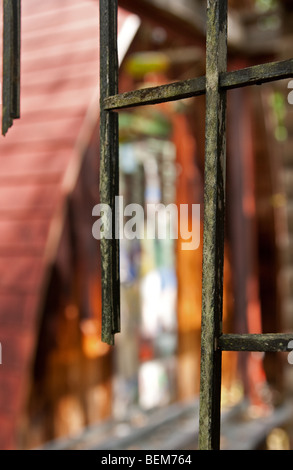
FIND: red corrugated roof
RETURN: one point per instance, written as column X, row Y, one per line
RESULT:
column 59, row 80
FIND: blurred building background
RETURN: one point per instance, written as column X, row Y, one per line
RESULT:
column 57, row 379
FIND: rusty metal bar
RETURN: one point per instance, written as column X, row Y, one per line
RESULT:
column 256, row 342
column 214, row 207
column 11, row 63
column 109, row 169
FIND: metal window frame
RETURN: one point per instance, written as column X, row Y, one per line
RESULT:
column 214, row 85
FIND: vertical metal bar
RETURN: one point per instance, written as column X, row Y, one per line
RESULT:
column 214, row 206
column 11, row 63
column 7, row 70
column 15, row 111
column 109, row 168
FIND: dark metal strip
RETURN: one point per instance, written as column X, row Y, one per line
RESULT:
column 109, row 169
column 15, row 111
column 214, row 206
column 7, row 72
column 256, row 342
column 11, row 63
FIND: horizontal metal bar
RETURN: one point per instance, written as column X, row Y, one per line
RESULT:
column 159, row 94
column 256, row 342
column 249, row 76
column 257, row 74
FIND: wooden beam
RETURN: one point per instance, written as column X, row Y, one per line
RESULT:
column 186, row 17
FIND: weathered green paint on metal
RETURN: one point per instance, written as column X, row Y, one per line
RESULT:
column 109, row 169
column 11, row 63
column 160, row 94
column 214, row 207
column 256, row 342
column 182, row 89
column 215, row 85
column 257, row 74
